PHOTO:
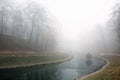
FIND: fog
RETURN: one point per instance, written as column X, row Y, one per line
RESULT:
column 83, row 25
column 68, row 26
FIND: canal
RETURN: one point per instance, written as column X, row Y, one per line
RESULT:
column 69, row 70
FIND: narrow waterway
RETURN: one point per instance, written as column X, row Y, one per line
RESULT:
column 69, row 70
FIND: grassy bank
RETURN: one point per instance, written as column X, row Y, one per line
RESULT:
column 111, row 72
column 23, row 60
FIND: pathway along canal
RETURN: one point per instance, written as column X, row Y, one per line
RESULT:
column 69, row 70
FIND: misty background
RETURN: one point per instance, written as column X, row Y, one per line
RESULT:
column 68, row 26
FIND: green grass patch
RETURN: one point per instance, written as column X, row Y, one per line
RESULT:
column 33, row 59
column 112, row 72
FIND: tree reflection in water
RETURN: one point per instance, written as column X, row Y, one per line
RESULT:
column 32, row 73
column 88, row 61
column 41, row 74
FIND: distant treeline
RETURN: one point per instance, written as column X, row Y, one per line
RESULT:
column 28, row 21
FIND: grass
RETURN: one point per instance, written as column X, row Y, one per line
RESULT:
column 7, row 61
column 112, row 72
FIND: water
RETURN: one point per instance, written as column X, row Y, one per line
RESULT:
column 68, row 70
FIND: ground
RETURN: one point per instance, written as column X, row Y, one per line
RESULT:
column 23, row 60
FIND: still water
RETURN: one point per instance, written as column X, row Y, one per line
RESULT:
column 69, row 70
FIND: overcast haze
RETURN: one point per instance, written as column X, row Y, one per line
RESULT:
column 80, row 21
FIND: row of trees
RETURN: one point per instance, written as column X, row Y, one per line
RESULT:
column 114, row 23
column 28, row 21
column 115, row 19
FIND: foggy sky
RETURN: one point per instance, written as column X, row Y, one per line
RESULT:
column 79, row 19
column 81, row 24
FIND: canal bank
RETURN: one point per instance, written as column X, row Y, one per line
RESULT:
column 97, row 71
column 21, row 61
column 110, row 71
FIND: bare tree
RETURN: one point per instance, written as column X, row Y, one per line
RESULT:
column 116, row 18
column 29, row 22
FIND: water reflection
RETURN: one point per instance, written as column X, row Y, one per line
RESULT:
column 46, row 73
column 35, row 73
column 88, row 61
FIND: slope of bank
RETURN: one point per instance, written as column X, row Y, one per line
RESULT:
column 108, row 72
column 22, row 60
column 10, row 43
